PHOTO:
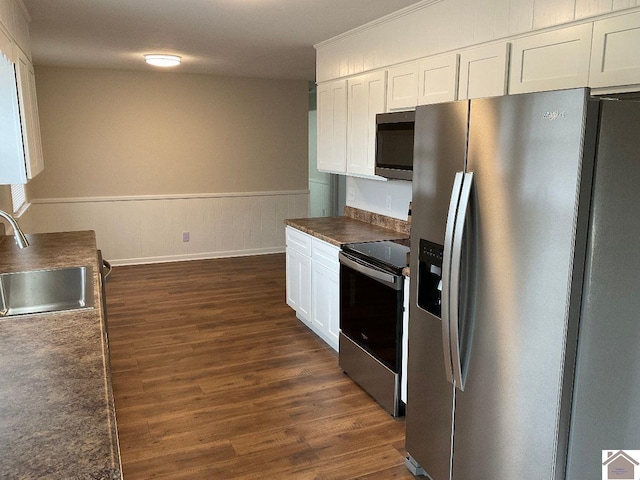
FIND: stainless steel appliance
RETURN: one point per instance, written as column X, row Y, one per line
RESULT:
column 371, row 309
column 394, row 145
column 538, row 266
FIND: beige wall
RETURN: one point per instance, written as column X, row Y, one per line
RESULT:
column 123, row 133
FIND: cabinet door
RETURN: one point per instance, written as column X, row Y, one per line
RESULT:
column 299, row 283
column 298, row 260
column 483, row 71
column 326, row 303
column 438, row 79
column 402, row 87
column 293, row 272
column 333, row 310
column 366, row 98
column 29, row 115
column 551, row 61
column 325, row 294
column 304, row 304
column 615, row 52
column 332, row 126
column 12, row 166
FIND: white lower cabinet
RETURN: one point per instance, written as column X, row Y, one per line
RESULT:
column 325, row 291
column 313, row 284
column 299, row 273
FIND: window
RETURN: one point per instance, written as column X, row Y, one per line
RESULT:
column 19, row 198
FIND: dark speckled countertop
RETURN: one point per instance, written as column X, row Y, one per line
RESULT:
column 57, row 418
column 355, row 226
column 341, row 230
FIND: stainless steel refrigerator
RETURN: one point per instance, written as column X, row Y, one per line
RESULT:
column 526, row 215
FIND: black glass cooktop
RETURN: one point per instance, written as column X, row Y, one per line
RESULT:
column 389, row 253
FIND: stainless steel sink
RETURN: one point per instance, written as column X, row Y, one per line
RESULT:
column 41, row 291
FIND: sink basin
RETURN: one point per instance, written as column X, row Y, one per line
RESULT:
column 40, row 291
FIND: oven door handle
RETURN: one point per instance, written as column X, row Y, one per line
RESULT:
column 385, row 278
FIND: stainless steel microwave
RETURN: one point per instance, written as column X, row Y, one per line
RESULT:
column 394, row 145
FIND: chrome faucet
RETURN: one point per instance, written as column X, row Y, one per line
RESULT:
column 21, row 240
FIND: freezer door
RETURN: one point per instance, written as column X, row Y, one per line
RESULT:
column 525, row 152
column 440, row 151
column 607, row 389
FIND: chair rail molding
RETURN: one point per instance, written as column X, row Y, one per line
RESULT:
column 149, row 228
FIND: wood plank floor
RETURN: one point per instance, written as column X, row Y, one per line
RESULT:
column 215, row 378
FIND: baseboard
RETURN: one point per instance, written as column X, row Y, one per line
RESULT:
column 195, row 256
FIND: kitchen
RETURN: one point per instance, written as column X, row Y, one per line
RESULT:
column 117, row 212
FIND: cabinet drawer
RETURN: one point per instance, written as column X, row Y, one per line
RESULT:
column 298, row 241
column 326, row 254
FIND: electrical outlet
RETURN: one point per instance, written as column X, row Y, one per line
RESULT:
column 185, row 236
column 388, row 202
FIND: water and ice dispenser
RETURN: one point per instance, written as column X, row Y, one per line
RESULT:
column 430, row 276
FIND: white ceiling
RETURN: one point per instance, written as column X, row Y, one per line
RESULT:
column 253, row 38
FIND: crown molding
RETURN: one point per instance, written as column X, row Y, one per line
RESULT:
column 380, row 21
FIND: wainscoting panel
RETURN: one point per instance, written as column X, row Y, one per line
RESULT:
column 149, row 229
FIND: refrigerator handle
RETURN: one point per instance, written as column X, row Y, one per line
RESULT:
column 456, row 260
column 446, row 274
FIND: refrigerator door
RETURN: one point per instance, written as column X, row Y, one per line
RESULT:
column 439, row 152
column 525, row 152
column 607, row 385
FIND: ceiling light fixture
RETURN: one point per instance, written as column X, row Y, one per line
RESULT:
column 162, row 60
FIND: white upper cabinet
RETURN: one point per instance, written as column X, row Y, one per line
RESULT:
column 332, row 126
column 14, row 18
column 20, row 143
column 600, row 53
column 483, row 71
column 365, row 98
column 12, row 165
column 438, row 79
column 29, row 115
column 615, row 52
column 402, row 87
column 551, row 60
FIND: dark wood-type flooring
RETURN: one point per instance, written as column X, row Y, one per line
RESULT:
column 215, row 378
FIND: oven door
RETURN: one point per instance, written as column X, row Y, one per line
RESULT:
column 371, row 303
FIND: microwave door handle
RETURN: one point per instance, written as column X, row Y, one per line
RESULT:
column 456, row 261
column 446, row 274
